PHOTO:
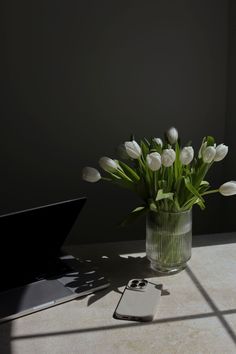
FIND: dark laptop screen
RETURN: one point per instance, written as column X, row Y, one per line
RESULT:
column 28, row 239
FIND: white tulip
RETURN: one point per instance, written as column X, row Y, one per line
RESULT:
column 228, row 188
column 108, row 164
column 168, row 157
column 221, row 152
column 208, row 154
column 186, row 155
column 158, row 141
column 154, row 161
column 172, row 135
column 90, row 174
column 133, row 149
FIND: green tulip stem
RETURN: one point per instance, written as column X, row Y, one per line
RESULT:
column 210, row 192
column 106, row 179
column 142, row 163
column 155, row 181
column 122, row 174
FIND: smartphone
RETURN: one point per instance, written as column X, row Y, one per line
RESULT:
column 139, row 301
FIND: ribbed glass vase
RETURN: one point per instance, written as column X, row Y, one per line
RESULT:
column 168, row 240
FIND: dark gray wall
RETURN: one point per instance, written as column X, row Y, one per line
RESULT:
column 229, row 205
column 79, row 77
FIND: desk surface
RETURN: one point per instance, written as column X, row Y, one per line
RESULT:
column 197, row 312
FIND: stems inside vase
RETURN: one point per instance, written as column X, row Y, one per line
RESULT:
column 169, row 239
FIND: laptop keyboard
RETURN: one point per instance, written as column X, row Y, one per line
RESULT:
column 54, row 269
column 51, row 269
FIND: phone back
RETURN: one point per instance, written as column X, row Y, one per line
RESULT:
column 139, row 301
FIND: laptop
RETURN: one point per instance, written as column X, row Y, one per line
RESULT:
column 35, row 274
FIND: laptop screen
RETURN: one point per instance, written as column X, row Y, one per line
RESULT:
column 30, row 238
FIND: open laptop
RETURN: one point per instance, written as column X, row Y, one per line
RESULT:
column 34, row 274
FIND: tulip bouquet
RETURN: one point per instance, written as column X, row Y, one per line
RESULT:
column 165, row 175
column 169, row 179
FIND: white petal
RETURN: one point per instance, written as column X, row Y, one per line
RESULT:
column 172, row 135
column 158, row 141
column 108, row 164
column 228, row 188
column 133, row 149
column 90, row 174
column 186, row 155
column 154, row 161
column 221, row 152
column 208, row 154
column 168, row 157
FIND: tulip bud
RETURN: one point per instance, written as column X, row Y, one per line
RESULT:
column 158, row 141
column 90, row 174
column 168, row 157
column 108, row 164
column 228, row 188
column 186, row 155
column 208, row 154
column 172, row 135
column 133, row 149
column 154, row 161
column 221, row 152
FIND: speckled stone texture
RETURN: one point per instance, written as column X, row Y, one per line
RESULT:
column 197, row 312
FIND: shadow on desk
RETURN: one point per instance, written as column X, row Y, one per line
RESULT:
column 119, row 270
column 119, row 264
column 5, row 335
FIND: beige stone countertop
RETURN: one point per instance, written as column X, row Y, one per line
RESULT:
column 197, row 311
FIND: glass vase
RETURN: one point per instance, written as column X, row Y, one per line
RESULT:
column 168, row 240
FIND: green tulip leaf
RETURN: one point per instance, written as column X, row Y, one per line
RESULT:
column 152, row 205
column 146, row 142
column 204, row 186
column 135, row 214
column 124, row 184
column 144, row 148
column 129, row 171
column 161, row 195
column 191, row 188
column 210, row 141
column 200, row 203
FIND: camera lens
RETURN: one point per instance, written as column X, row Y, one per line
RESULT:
column 135, row 281
column 132, row 285
column 142, row 284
